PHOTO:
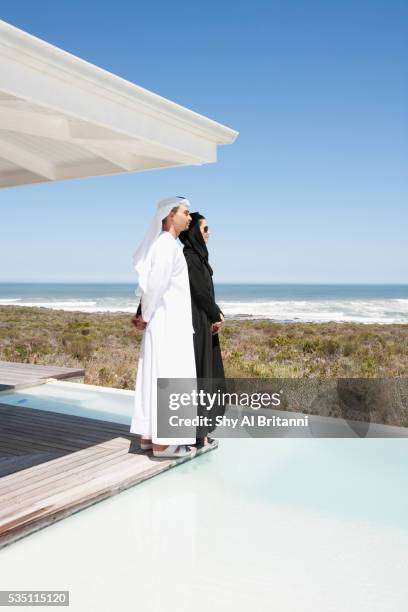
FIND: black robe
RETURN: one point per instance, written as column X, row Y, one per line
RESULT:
column 205, row 311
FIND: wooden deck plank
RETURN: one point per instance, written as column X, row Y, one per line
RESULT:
column 18, row 410
column 63, row 464
column 19, row 364
column 110, row 480
column 12, row 464
column 25, row 430
column 87, row 463
column 58, row 420
column 57, row 507
column 34, row 367
column 15, row 375
column 13, row 481
column 62, row 481
column 75, row 437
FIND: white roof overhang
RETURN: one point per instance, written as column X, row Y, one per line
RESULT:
column 64, row 118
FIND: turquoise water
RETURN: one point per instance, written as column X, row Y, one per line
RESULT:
column 365, row 479
column 76, row 399
column 252, row 525
column 279, row 521
column 280, row 302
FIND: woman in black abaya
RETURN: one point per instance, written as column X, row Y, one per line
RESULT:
column 207, row 318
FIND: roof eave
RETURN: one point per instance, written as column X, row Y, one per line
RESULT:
column 28, row 49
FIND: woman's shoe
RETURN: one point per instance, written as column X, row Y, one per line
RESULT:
column 200, row 442
column 175, row 451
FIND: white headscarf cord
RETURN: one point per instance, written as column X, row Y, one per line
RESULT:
column 140, row 256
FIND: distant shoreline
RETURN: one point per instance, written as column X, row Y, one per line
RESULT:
column 284, row 302
column 268, row 284
column 237, row 317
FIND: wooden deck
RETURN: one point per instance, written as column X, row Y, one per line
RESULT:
column 52, row 465
column 18, row 375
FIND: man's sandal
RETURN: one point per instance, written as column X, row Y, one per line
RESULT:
column 176, row 450
column 145, row 445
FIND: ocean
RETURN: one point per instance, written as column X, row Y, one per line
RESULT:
column 361, row 303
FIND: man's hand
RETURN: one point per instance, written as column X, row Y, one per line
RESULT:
column 138, row 322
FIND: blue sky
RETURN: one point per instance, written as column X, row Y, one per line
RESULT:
column 315, row 189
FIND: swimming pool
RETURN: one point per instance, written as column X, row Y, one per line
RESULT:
column 291, row 524
column 78, row 399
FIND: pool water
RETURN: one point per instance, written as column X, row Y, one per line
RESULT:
column 92, row 401
column 284, row 524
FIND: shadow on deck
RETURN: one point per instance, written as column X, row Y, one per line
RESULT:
column 52, row 465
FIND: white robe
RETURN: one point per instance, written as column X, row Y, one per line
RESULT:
column 167, row 349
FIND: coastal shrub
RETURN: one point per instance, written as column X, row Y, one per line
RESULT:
column 284, row 355
column 342, row 367
column 249, row 348
column 365, row 336
column 234, row 355
column 81, row 327
column 380, row 340
column 349, row 348
column 278, row 370
column 260, row 370
column 370, row 364
column 329, row 346
column 261, row 325
column 17, row 352
column 104, row 376
column 311, row 346
column 28, row 350
column 227, row 332
column 135, row 340
column 279, row 341
column 347, row 366
column 80, row 347
column 263, row 354
column 362, row 352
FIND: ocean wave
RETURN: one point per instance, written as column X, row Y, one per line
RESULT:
column 359, row 311
column 91, row 306
column 9, row 300
column 294, row 310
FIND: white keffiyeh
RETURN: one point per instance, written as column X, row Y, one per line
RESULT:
column 141, row 255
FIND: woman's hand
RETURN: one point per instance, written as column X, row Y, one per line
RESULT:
column 215, row 327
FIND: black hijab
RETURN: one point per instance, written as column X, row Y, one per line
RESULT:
column 193, row 240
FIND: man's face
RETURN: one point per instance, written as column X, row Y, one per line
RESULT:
column 181, row 218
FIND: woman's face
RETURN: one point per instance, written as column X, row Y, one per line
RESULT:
column 204, row 229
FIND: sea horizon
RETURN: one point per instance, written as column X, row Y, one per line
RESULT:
column 282, row 302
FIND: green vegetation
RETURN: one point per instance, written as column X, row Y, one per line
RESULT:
column 107, row 346
column 324, row 350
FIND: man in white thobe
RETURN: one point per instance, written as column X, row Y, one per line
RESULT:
column 167, row 349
